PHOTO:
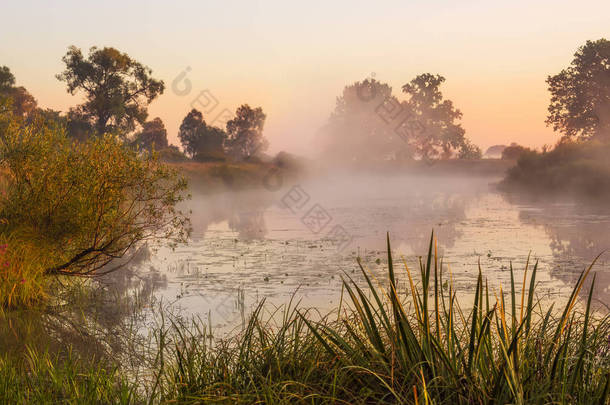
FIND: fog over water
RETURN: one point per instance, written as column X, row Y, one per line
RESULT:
column 301, row 239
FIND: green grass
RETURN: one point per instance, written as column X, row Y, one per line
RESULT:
column 22, row 280
column 407, row 339
column 42, row 378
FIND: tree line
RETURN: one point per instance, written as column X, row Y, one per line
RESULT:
column 368, row 123
column 117, row 91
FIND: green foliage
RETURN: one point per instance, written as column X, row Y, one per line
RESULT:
column 370, row 124
column 356, row 130
column 199, row 139
column 580, row 94
column 7, row 79
column 172, row 154
column 117, row 88
column 22, row 266
column 82, row 204
column 42, row 378
column 469, row 151
column 245, row 133
column 152, row 136
column 22, row 102
column 579, row 168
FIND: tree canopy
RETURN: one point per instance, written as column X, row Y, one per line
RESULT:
column 369, row 123
column 580, row 94
column 117, row 89
column 245, row 132
column 361, row 128
column 153, row 135
column 22, row 102
column 200, row 140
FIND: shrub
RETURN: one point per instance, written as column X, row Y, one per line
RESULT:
column 514, row 152
column 577, row 167
column 82, row 204
column 172, row 154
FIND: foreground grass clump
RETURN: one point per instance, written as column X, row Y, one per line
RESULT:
column 21, row 273
column 392, row 345
column 42, row 378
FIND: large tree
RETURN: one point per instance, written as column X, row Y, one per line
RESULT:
column 442, row 135
column 117, row 89
column 153, row 135
column 580, row 94
column 370, row 124
column 245, row 132
column 200, row 140
column 362, row 126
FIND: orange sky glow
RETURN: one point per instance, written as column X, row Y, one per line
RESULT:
column 293, row 59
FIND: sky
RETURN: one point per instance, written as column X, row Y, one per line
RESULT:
column 294, row 58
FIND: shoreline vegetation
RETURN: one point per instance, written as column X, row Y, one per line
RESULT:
column 407, row 338
column 211, row 177
column 573, row 168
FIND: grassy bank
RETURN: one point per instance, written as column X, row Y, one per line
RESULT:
column 213, row 177
column 388, row 342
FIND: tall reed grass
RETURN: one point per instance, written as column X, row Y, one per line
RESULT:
column 389, row 345
column 42, row 378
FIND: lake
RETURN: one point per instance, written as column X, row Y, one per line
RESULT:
column 300, row 240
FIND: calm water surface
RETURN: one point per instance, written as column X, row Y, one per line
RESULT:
column 300, row 240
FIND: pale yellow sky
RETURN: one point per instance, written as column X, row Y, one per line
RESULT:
column 293, row 58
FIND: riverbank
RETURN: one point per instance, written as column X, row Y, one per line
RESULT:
column 214, row 177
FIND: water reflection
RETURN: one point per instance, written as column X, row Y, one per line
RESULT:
column 242, row 211
column 578, row 231
column 98, row 319
column 247, row 246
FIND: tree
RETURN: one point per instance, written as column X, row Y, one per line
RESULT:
column 470, row 151
column 442, row 134
column 245, row 132
column 362, row 126
column 580, row 94
column 78, row 125
column 7, row 79
column 514, row 151
column 369, row 123
column 190, row 131
column 199, row 140
column 153, row 135
column 23, row 103
column 83, row 204
column 117, row 89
